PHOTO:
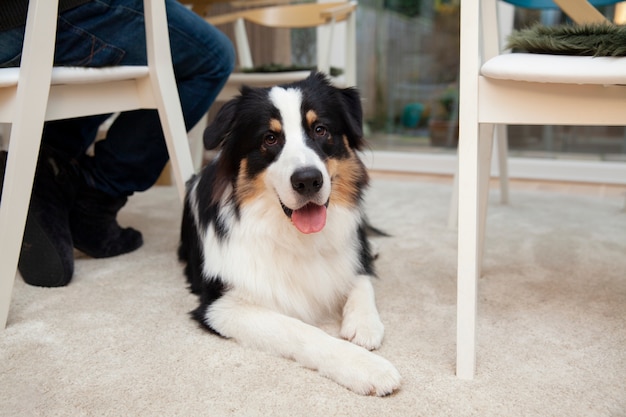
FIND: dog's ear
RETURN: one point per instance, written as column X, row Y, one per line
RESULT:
column 220, row 128
column 353, row 116
column 219, row 134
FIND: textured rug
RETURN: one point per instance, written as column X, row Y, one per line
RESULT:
column 552, row 322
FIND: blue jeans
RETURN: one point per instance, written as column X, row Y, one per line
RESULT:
column 111, row 32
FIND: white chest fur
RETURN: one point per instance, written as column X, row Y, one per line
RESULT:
column 265, row 259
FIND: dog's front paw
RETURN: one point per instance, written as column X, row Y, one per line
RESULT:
column 365, row 330
column 366, row 373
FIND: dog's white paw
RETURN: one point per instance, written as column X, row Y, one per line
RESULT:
column 365, row 373
column 365, row 330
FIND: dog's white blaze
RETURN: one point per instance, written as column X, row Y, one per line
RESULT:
column 295, row 154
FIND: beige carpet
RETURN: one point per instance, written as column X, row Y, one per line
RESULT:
column 552, row 322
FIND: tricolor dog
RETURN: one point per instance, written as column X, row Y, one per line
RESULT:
column 273, row 232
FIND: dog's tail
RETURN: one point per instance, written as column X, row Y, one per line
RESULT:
column 372, row 231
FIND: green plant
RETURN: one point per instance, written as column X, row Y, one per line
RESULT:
column 448, row 103
column 443, row 126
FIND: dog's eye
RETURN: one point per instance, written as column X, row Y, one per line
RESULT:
column 270, row 139
column 321, row 130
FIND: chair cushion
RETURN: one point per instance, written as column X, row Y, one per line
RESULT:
column 265, row 79
column 556, row 69
column 550, row 4
column 590, row 39
column 80, row 75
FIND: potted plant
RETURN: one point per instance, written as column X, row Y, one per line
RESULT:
column 443, row 125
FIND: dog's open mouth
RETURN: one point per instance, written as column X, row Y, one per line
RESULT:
column 311, row 218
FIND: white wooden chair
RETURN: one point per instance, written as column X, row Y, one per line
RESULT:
column 36, row 92
column 324, row 16
column 516, row 88
column 505, row 20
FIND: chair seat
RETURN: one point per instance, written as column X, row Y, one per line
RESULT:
column 550, row 4
column 561, row 69
column 80, row 75
column 266, row 78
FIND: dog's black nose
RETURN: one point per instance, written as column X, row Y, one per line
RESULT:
column 307, row 181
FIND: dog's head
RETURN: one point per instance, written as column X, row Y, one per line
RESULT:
column 296, row 142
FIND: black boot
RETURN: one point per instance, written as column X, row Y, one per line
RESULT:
column 47, row 255
column 94, row 227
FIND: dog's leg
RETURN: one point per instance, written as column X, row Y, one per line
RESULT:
column 361, row 324
column 349, row 365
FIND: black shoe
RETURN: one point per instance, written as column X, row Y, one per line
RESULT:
column 94, row 226
column 47, row 255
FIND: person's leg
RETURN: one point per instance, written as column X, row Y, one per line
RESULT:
column 102, row 33
column 111, row 32
column 134, row 152
column 72, row 137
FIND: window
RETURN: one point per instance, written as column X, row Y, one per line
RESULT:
column 408, row 53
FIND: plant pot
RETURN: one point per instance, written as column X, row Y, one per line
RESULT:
column 444, row 133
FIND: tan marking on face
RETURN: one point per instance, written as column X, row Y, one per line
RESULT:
column 311, row 117
column 347, row 176
column 276, row 126
column 248, row 189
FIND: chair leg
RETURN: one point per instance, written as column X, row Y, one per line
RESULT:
column 485, row 147
column 196, row 144
column 453, row 211
column 502, row 144
column 24, row 142
column 163, row 87
column 474, row 163
column 176, row 140
column 467, row 268
column 18, row 183
column 502, row 149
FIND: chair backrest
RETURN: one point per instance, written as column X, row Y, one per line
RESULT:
column 293, row 16
column 550, row 4
column 579, row 11
column 491, row 18
column 324, row 16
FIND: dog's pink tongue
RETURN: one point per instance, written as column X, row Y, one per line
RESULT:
column 310, row 218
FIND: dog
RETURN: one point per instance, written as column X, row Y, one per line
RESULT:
column 273, row 235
